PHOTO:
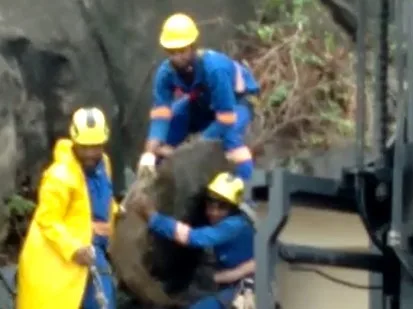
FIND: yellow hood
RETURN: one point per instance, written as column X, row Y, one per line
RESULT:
column 63, row 150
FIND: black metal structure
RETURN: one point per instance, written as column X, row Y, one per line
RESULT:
column 379, row 191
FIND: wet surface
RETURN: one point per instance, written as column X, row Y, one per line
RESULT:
column 308, row 290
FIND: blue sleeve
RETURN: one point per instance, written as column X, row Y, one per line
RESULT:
column 214, row 235
column 162, row 225
column 204, row 237
column 161, row 112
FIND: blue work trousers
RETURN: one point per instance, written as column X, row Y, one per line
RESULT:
column 192, row 117
column 89, row 298
column 221, row 300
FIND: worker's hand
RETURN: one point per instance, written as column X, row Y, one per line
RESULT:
column 84, row 256
column 146, row 165
column 165, row 151
column 122, row 210
column 146, row 207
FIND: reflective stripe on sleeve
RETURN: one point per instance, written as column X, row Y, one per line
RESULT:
column 240, row 154
column 182, row 232
column 161, row 112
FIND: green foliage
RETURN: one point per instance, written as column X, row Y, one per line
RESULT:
column 280, row 94
column 265, row 33
column 307, row 82
column 19, row 206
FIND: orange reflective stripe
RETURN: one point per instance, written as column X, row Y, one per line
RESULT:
column 239, row 79
column 101, row 228
column 227, row 117
column 161, row 112
column 182, row 232
column 239, row 154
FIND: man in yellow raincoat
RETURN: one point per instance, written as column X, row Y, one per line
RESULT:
column 72, row 223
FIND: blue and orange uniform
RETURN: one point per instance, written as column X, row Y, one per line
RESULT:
column 231, row 238
column 214, row 102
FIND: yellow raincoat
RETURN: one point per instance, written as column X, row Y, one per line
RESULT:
column 47, row 276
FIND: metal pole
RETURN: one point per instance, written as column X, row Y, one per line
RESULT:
column 409, row 7
column 394, row 237
column 361, row 84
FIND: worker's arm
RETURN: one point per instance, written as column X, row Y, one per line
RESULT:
column 53, row 203
column 161, row 112
column 232, row 275
column 204, row 237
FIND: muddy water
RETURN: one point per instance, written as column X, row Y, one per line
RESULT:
column 307, row 290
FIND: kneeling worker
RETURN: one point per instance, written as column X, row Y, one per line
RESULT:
column 229, row 233
column 70, row 229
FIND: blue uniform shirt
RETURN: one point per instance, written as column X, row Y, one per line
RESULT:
column 231, row 239
column 216, row 73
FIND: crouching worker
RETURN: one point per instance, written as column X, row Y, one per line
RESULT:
column 70, row 229
column 198, row 91
column 229, row 233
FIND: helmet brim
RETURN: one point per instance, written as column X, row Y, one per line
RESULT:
column 220, row 198
column 86, row 143
column 176, row 44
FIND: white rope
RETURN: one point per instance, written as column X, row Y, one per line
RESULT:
column 97, row 282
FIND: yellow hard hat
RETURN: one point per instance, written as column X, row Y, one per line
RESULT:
column 178, row 31
column 227, row 186
column 89, row 127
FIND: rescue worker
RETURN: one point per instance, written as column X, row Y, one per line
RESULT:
column 229, row 233
column 72, row 223
column 198, row 91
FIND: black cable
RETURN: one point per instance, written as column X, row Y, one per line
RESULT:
column 334, row 279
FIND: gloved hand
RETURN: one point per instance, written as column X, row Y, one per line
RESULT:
column 146, row 165
column 165, row 151
column 122, row 210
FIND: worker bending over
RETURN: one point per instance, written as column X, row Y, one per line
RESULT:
column 199, row 91
column 229, row 233
column 71, row 226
